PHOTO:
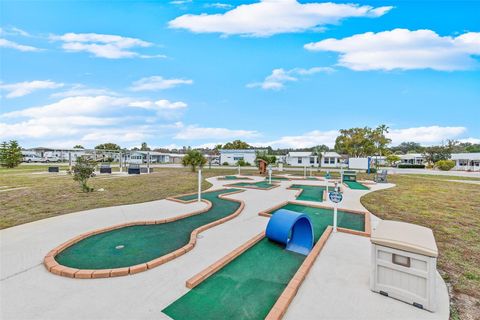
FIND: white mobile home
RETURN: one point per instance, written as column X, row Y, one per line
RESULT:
column 466, row 161
column 301, row 159
column 331, row 159
column 412, row 158
column 139, row 157
column 232, row 156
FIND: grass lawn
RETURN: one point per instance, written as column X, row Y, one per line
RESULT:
column 452, row 210
column 49, row 195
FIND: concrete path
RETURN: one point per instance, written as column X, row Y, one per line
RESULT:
column 28, row 291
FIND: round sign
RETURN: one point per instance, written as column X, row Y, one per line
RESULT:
column 335, row 197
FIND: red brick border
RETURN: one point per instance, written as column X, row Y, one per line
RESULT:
column 54, row 267
column 283, row 302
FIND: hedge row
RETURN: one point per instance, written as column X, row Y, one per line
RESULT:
column 411, row 166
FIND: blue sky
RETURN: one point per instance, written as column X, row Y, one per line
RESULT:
column 277, row 72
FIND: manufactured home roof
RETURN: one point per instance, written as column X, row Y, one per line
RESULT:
column 466, row 156
column 299, row 154
column 331, row 154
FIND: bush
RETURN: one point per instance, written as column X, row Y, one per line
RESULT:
column 411, row 166
column 372, row 170
column 83, row 170
column 445, row 165
column 225, row 163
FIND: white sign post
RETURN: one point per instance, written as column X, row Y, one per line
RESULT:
column 305, row 172
column 238, row 169
column 336, row 197
column 270, row 174
column 199, row 185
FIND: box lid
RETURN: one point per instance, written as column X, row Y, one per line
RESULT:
column 405, row 236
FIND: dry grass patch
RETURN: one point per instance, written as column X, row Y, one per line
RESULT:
column 50, row 195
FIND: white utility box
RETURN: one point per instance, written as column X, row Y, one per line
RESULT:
column 404, row 263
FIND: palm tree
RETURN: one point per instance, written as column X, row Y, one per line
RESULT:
column 194, row 158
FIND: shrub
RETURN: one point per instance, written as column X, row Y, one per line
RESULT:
column 83, row 170
column 411, row 166
column 445, row 165
column 225, row 163
column 372, row 170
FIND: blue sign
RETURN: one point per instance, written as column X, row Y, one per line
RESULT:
column 335, row 196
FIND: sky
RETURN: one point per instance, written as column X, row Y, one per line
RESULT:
column 283, row 73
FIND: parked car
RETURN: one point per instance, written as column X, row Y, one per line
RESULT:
column 52, row 159
column 32, row 158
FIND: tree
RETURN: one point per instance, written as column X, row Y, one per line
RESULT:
column 392, row 159
column 378, row 135
column 194, row 158
column 78, row 146
column 144, row 147
column 237, row 144
column 108, row 146
column 83, row 170
column 408, row 147
column 262, row 155
column 436, row 153
column 10, row 154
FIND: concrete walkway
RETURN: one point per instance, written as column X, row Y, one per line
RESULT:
column 336, row 287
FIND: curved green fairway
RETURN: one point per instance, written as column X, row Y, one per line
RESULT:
column 310, row 193
column 355, row 185
column 143, row 243
column 249, row 286
column 259, row 185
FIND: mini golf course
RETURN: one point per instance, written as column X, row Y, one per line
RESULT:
column 262, row 185
column 355, row 185
column 249, row 286
column 137, row 244
column 310, row 193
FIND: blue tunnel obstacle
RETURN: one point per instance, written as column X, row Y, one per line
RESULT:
column 292, row 229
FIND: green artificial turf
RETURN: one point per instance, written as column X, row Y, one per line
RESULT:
column 259, row 185
column 249, row 286
column 143, row 243
column 310, row 193
column 355, row 185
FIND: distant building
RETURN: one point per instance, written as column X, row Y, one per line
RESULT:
column 329, row 159
column 466, row 161
column 412, row 158
column 139, row 157
column 232, row 156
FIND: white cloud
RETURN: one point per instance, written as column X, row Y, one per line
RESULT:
column 103, row 45
column 21, row 89
column 425, row 135
column 82, row 90
column 218, row 5
column 4, row 43
column 306, row 140
column 279, row 77
column 195, row 133
column 157, row 83
column 14, row 31
column 404, row 49
column 269, row 17
column 470, row 140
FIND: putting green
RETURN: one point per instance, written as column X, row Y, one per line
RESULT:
column 355, row 185
column 233, row 178
column 249, row 286
column 310, row 193
column 278, row 178
column 137, row 244
column 257, row 185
